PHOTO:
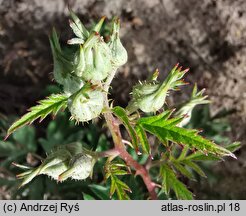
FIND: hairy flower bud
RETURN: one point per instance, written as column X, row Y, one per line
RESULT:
column 80, row 167
column 79, row 62
column 150, row 96
column 119, row 53
column 98, row 60
column 55, row 164
column 144, row 98
column 197, row 98
column 65, row 161
column 86, row 105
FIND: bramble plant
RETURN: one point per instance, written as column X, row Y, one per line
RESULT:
column 85, row 70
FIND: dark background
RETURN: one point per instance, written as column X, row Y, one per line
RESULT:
column 207, row 36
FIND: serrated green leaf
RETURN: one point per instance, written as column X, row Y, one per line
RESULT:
column 183, row 153
column 169, row 180
column 122, row 194
column 120, row 172
column 120, row 188
column 117, row 165
column 55, row 40
column 168, row 123
column 183, row 170
column 167, row 130
column 162, row 116
column 51, row 104
column 121, row 114
column 166, row 186
column 198, row 156
column 112, row 186
column 143, row 139
column 113, row 169
column 195, row 167
column 234, row 146
column 123, row 185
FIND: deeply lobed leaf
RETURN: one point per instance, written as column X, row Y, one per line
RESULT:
column 167, row 129
column 50, row 105
column 170, row 181
column 112, row 170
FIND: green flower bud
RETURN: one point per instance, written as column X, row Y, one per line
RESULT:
column 145, row 98
column 69, row 64
column 79, row 62
column 150, row 96
column 62, row 163
column 119, row 53
column 197, row 98
column 80, row 167
column 86, row 105
column 55, row 164
column 98, row 60
column 55, row 170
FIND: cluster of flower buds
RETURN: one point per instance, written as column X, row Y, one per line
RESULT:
column 86, row 59
column 150, row 95
column 67, row 161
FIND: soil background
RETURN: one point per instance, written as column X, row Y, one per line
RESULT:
column 207, row 36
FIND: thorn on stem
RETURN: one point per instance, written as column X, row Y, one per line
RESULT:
column 6, row 137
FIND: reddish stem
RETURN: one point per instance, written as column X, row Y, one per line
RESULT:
column 120, row 147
